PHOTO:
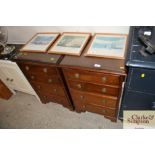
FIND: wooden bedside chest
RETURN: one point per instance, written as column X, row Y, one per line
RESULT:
column 46, row 79
column 94, row 89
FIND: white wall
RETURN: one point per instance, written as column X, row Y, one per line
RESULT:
column 21, row 34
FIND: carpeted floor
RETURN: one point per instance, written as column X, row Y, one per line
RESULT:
column 24, row 111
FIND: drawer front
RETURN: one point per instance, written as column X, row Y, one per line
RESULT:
column 95, row 109
column 38, row 69
column 101, row 110
column 101, row 100
column 95, row 77
column 44, row 79
column 93, row 88
column 48, row 90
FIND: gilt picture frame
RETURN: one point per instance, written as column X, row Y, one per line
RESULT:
column 70, row 43
column 40, row 42
column 108, row 45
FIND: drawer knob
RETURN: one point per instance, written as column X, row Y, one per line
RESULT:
column 104, row 111
column 32, row 77
column 104, row 101
column 83, row 106
column 104, row 79
column 55, row 90
column 50, row 80
column 27, row 68
column 52, row 59
column 45, row 70
column 104, row 90
column 39, row 87
column 77, row 75
column 7, row 79
column 81, row 97
column 79, row 86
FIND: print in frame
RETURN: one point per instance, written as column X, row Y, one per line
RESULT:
column 108, row 46
column 40, row 42
column 70, row 43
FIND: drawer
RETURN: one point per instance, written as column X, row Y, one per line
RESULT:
column 93, row 88
column 95, row 109
column 101, row 100
column 48, row 90
column 44, row 79
column 38, row 69
column 100, row 110
column 95, row 77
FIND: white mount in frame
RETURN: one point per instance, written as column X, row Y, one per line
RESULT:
column 40, row 42
column 70, row 43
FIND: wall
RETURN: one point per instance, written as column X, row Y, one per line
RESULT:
column 21, row 34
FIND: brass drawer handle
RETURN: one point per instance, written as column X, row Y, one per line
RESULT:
column 52, row 59
column 55, row 90
column 104, row 90
column 79, row 86
column 81, row 97
column 50, row 80
column 27, row 68
column 83, row 106
column 32, row 77
column 104, row 101
column 104, row 111
column 45, row 70
column 77, row 75
column 104, row 79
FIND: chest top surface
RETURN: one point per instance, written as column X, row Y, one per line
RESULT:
column 36, row 57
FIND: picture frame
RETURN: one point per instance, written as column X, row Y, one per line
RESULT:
column 40, row 42
column 70, row 43
column 108, row 45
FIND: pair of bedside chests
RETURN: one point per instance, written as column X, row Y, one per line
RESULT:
column 78, row 83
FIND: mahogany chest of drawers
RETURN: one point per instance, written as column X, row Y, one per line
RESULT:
column 92, row 89
column 45, row 77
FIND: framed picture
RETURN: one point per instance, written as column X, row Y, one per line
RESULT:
column 70, row 43
column 108, row 45
column 40, row 42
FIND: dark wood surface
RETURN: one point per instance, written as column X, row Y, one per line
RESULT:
column 94, row 88
column 90, row 88
column 88, row 76
column 42, row 72
column 46, row 81
column 5, row 93
column 95, row 99
column 36, row 57
column 90, row 93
